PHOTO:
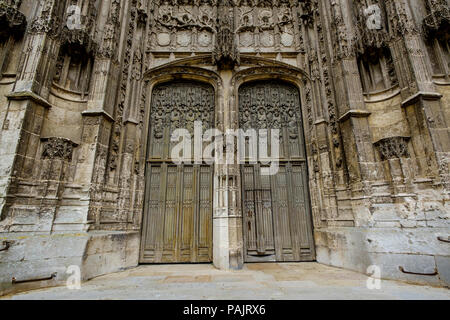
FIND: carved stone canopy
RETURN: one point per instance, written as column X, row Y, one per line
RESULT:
column 393, row 147
column 437, row 23
column 77, row 42
column 12, row 21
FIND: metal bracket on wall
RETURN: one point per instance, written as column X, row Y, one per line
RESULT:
column 443, row 239
column 418, row 273
column 6, row 245
column 15, row 281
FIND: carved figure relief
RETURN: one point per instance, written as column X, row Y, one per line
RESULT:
column 186, row 20
column 197, row 23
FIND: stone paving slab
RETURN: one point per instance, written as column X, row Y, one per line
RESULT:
column 289, row 281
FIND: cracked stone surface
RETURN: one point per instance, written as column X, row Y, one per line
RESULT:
column 290, row 281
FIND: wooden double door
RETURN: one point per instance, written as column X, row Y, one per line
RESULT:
column 276, row 208
column 177, row 224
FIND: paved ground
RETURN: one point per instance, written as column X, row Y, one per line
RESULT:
column 256, row 281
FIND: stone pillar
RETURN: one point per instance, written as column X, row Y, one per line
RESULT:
column 353, row 114
column 421, row 100
column 227, row 215
column 98, row 119
column 32, row 87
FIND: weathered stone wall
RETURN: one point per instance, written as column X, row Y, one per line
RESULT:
column 74, row 112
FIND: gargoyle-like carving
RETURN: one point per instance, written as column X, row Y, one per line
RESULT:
column 12, row 21
column 58, row 148
column 393, row 147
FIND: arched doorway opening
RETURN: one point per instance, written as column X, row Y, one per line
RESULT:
column 276, row 208
column 177, row 224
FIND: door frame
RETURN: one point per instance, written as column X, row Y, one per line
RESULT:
column 162, row 75
column 275, row 71
column 288, row 163
column 230, row 255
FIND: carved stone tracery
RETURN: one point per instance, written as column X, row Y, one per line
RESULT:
column 177, row 105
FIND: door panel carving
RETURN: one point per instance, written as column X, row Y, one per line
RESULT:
column 178, row 209
column 276, row 209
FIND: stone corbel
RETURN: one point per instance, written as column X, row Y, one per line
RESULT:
column 12, row 21
column 96, row 113
column 29, row 95
column 354, row 114
column 421, row 95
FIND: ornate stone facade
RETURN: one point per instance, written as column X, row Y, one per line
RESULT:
column 75, row 117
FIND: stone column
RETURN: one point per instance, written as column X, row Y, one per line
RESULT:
column 353, row 114
column 98, row 119
column 227, row 215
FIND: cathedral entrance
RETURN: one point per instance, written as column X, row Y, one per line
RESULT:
column 276, row 209
column 177, row 223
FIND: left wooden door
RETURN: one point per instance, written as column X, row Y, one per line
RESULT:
column 177, row 224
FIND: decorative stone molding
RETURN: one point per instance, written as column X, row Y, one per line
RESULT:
column 400, row 22
column 107, row 49
column 393, row 147
column 343, row 47
column 12, row 21
column 421, row 95
column 29, row 95
column 57, row 148
column 355, row 114
column 132, row 59
column 48, row 20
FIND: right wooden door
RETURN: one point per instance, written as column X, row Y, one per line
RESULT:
column 276, row 208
